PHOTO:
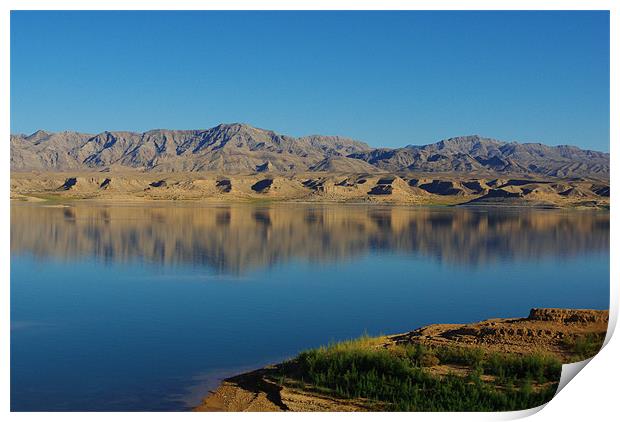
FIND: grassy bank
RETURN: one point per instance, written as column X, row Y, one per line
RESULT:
column 405, row 377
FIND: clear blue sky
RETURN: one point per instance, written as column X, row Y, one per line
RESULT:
column 388, row 78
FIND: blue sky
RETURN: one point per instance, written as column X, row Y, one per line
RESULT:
column 388, row 78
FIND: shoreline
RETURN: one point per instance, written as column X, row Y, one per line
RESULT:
column 551, row 333
column 206, row 203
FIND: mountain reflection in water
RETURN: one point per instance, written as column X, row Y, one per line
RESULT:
column 238, row 238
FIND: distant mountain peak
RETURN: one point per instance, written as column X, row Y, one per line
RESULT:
column 239, row 127
column 40, row 133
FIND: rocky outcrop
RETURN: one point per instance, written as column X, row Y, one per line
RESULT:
column 547, row 330
column 569, row 315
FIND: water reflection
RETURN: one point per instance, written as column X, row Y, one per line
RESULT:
column 105, row 316
column 235, row 239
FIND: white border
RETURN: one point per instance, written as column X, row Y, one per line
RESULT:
column 591, row 396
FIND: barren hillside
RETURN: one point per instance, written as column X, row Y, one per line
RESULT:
column 240, row 148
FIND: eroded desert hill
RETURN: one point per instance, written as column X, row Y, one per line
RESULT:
column 316, row 186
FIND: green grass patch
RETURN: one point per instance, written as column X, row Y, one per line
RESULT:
column 539, row 367
column 398, row 376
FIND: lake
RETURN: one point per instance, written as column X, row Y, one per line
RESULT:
column 146, row 307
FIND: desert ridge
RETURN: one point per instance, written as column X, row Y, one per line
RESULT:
column 398, row 188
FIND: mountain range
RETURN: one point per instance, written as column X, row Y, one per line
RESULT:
column 240, row 148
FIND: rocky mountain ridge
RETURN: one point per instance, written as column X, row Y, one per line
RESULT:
column 240, row 148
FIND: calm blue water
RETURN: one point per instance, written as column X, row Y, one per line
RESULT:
column 143, row 308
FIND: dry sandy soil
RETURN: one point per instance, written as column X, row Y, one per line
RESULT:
column 421, row 189
column 544, row 330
